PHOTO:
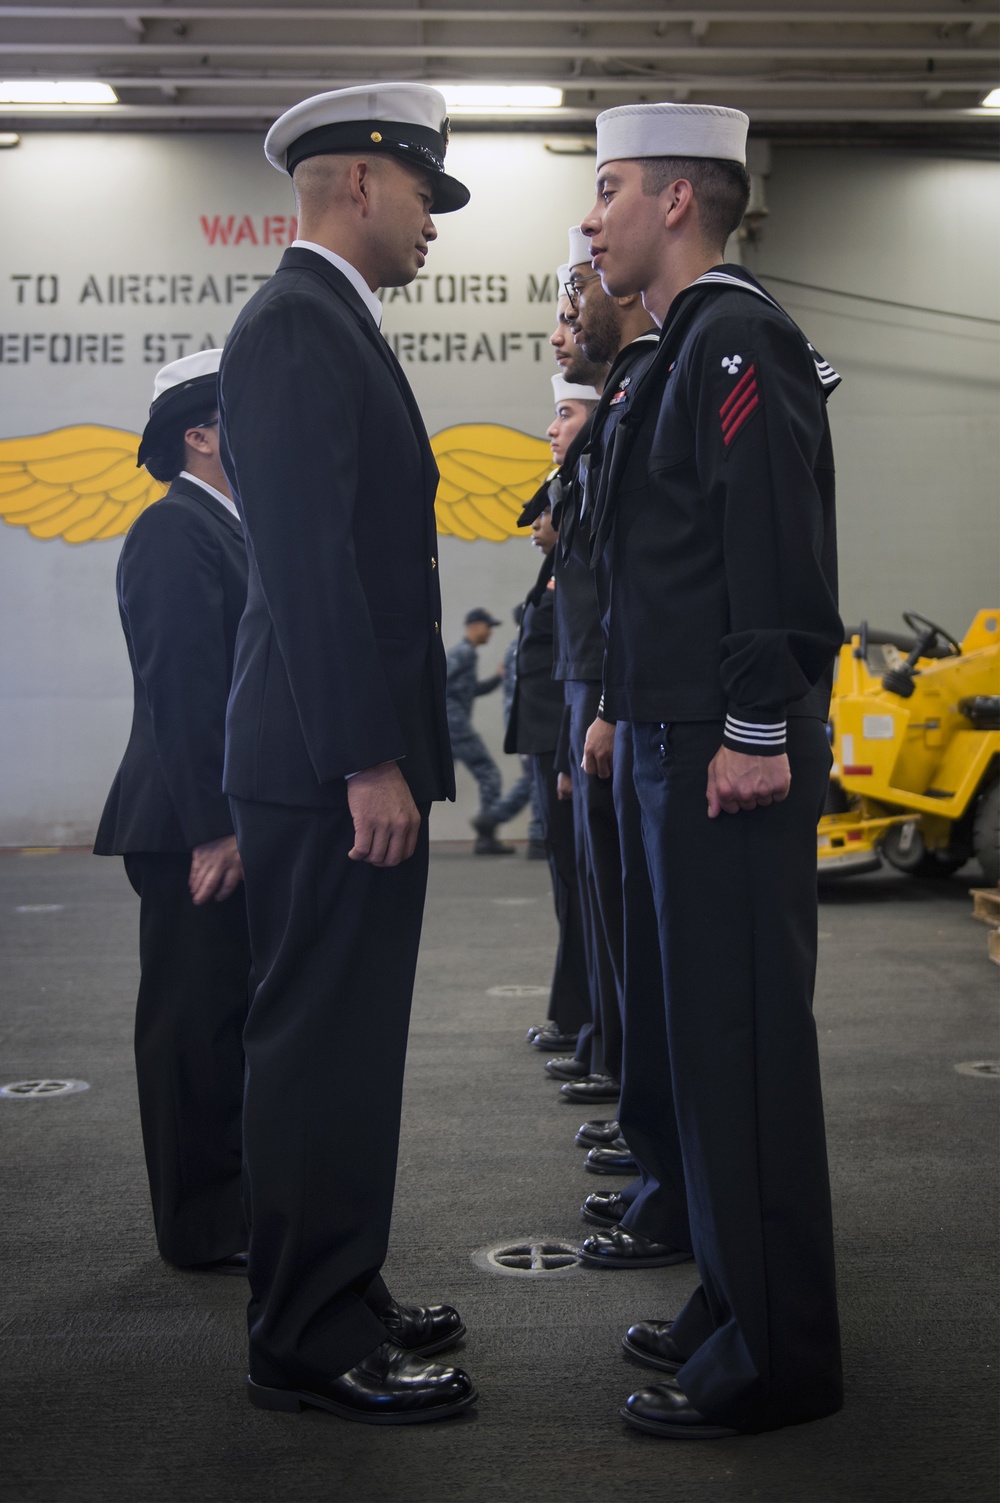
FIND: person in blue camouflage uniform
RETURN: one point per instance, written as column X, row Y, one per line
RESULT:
column 467, row 746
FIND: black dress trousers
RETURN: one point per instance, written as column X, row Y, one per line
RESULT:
column 600, row 868
column 736, row 905
column 569, row 1000
column 657, row 1200
column 335, row 951
column 192, row 1004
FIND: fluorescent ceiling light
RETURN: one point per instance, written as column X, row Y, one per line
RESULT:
column 71, row 91
column 500, row 99
column 992, row 100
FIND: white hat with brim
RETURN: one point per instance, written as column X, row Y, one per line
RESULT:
column 185, row 389
column 566, row 391
column 405, row 121
column 671, row 130
column 579, row 247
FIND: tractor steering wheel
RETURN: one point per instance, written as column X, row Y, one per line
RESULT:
column 926, row 633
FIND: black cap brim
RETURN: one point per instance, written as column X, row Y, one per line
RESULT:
column 180, row 404
column 533, row 509
column 415, row 145
column 449, row 193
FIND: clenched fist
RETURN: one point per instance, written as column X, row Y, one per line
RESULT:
column 738, row 782
column 386, row 820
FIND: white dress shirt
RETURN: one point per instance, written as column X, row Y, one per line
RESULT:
column 352, row 274
column 223, row 500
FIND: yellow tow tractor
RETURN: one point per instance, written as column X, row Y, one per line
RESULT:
column 915, row 730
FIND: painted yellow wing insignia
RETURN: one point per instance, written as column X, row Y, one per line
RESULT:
column 79, row 484
column 488, row 472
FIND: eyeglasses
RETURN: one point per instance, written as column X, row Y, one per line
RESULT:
column 575, row 286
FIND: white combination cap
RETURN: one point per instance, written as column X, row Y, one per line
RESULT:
column 185, row 370
column 566, row 391
column 579, row 247
column 671, row 130
column 183, row 391
column 407, row 120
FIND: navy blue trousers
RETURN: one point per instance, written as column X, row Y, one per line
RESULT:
column 657, row 1199
column 334, row 945
column 600, row 877
column 189, row 1017
column 569, row 1000
column 736, row 910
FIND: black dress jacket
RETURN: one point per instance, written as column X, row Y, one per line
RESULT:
column 716, row 511
column 182, row 583
column 579, row 640
column 339, row 662
column 537, row 710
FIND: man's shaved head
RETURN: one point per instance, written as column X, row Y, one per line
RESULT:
column 319, row 182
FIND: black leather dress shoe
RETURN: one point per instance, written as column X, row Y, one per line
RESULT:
column 604, row 1210
column 662, row 1409
column 423, row 1329
column 651, row 1342
column 389, row 1387
column 615, row 1159
column 598, row 1134
column 618, row 1248
column 236, row 1263
column 570, row 1068
column 548, row 1036
column 591, row 1088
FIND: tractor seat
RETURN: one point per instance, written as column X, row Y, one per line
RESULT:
column 983, row 710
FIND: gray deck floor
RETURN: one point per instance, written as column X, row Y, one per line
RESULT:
column 122, row 1380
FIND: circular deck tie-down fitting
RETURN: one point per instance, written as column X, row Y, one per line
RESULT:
column 41, row 1089
column 530, row 1257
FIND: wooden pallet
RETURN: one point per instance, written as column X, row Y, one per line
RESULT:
column 986, row 905
column 986, row 908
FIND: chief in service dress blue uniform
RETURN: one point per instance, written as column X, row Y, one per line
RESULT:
column 339, row 672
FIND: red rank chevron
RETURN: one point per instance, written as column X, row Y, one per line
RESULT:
column 740, row 403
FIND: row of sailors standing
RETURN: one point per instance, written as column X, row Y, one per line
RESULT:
column 686, row 906
column 694, row 627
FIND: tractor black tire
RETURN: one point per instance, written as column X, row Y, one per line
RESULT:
column 919, row 861
column 986, row 833
column 939, row 864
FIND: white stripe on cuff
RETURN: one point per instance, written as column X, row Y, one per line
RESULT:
column 756, row 734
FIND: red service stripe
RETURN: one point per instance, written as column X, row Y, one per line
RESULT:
column 734, row 412
column 737, row 389
column 858, row 772
column 728, row 437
